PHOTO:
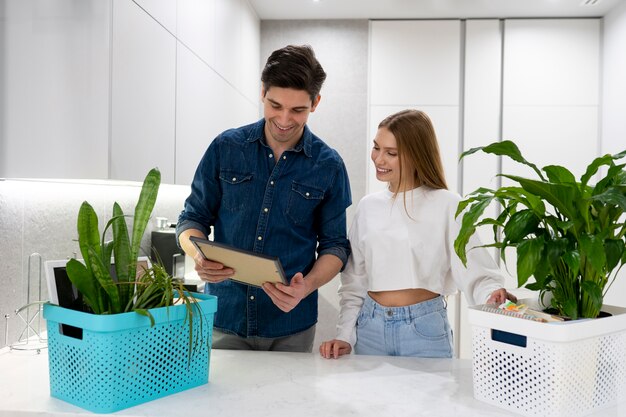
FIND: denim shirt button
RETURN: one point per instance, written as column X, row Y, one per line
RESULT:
column 259, row 238
column 271, row 156
column 252, row 297
column 271, row 182
column 234, row 178
column 284, row 157
column 266, row 209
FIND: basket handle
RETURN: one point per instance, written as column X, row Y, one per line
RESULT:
column 508, row 338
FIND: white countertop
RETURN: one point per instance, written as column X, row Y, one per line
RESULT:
column 244, row 383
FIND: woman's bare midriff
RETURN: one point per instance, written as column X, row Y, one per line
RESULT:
column 401, row 298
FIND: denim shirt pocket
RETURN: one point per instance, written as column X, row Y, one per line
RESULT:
column 303, row 199
column 236, row 188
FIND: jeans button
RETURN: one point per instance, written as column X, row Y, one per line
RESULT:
column 389, row 313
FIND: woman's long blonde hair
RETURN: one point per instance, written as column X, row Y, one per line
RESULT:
column 420, row 159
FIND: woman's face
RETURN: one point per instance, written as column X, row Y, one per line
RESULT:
column 386, row 159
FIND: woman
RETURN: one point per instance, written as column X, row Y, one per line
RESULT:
column 403, row 262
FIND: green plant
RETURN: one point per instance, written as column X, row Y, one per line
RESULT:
column 132, row 290
column 568, row 234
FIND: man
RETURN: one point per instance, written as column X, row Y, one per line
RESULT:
column 274, row 188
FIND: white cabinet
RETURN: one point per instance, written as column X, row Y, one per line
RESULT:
column 95, row 89
column 417, row 64
column 551, row 92
column 143, row 95
column 54, row 88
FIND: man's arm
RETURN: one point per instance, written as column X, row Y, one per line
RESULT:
column 287, row 297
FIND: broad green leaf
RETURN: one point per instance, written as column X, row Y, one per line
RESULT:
column 559, row 174
column 528, row 256
column 468, row 228
column 572, row 260
column 614, row 248
column 520, row 225
column 612, row 196
column 559, row 195
column 592, row 249
column 593, row 168
column 510, row 149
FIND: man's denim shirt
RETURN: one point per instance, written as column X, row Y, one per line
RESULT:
column 288, row 209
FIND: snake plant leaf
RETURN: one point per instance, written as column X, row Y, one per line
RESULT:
column 122, row 254
column 143, row 210
column 528, row 257
column 102, row 272
column 88, row 234
column 84, row 282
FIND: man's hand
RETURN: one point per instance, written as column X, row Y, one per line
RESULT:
column 287, row 297
column 210, row 271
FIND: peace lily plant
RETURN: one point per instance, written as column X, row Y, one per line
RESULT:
column 568, row 235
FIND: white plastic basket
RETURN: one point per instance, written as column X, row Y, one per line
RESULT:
column 549, row 369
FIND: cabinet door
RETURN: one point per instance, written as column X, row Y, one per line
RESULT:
column 551, row 92
column 143, row 95
column 54, row 89
column 417, row 64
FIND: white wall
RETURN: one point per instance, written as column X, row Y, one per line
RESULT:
column 614, row 107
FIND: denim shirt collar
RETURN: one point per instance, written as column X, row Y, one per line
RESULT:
column 304, row 144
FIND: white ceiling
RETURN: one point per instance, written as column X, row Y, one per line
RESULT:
column 429, row 9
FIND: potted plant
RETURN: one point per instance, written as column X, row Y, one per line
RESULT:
column 139, row 335
column 570, row 236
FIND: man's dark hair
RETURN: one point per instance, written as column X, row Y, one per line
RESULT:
column 294, row 66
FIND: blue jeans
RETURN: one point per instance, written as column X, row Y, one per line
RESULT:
column 420, row 330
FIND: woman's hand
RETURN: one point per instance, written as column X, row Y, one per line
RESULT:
column 334, row 348
column 500, row 296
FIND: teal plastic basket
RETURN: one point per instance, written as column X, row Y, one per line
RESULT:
column 105, row 363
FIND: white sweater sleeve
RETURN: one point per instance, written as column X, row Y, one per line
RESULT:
column 352, row 290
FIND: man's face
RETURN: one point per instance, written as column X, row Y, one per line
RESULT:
column 286, row 111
